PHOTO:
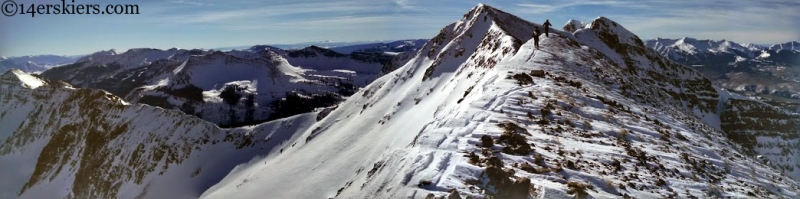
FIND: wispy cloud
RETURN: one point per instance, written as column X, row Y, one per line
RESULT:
column 553, row 6
column 221, row 14
column 404, row 4
column 350, row 14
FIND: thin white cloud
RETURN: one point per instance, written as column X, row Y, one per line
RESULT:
column 403, row 4
column 261, row 13
column 370, row 22
column 342, row 22
column 554, row 6
column 353, row 14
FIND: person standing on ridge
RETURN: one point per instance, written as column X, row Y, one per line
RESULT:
column 547, row 28
column 536, row 34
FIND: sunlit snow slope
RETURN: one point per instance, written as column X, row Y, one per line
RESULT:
column 479, row 112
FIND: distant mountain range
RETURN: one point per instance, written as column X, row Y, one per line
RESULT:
column 35, row 64
column 396, row 46
column 770, row 73
column 39, row 63
column 271, row 82
column 294, row 46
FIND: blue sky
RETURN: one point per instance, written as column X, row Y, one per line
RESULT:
column 211, row 24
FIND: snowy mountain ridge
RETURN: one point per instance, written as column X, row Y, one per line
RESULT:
column 423, row 129
column 692, row 46
column 199, row 86
column 139, row 56
column 323, row 62
column 791, row 46
column 695, row 46
column 274, row 65
column 395, row 46
column 35, row 64
column 476, row 112
column 231, row 88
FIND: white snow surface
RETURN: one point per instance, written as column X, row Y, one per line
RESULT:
column 22, row 78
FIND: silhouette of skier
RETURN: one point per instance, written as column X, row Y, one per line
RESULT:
column 547, row 28
column 536, row 34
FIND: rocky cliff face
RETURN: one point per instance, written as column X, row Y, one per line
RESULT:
column 766, row 132
column 761, row 130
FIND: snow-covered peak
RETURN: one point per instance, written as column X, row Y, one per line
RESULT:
column 261, row 48
column 212, row 71
column 394, row 47
column 18, row 77
column 34, row 63
column 689, row 40
column 693, row 46
column 314, row 50
column 609, row 28
column 792, row 45
column 727, row 46
column 512, row 25
column 139, row 56
column 104, row 52
column 574, row 25
column 482, row 38
column 752, row 46
column 483, row 28
column 660, row 44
